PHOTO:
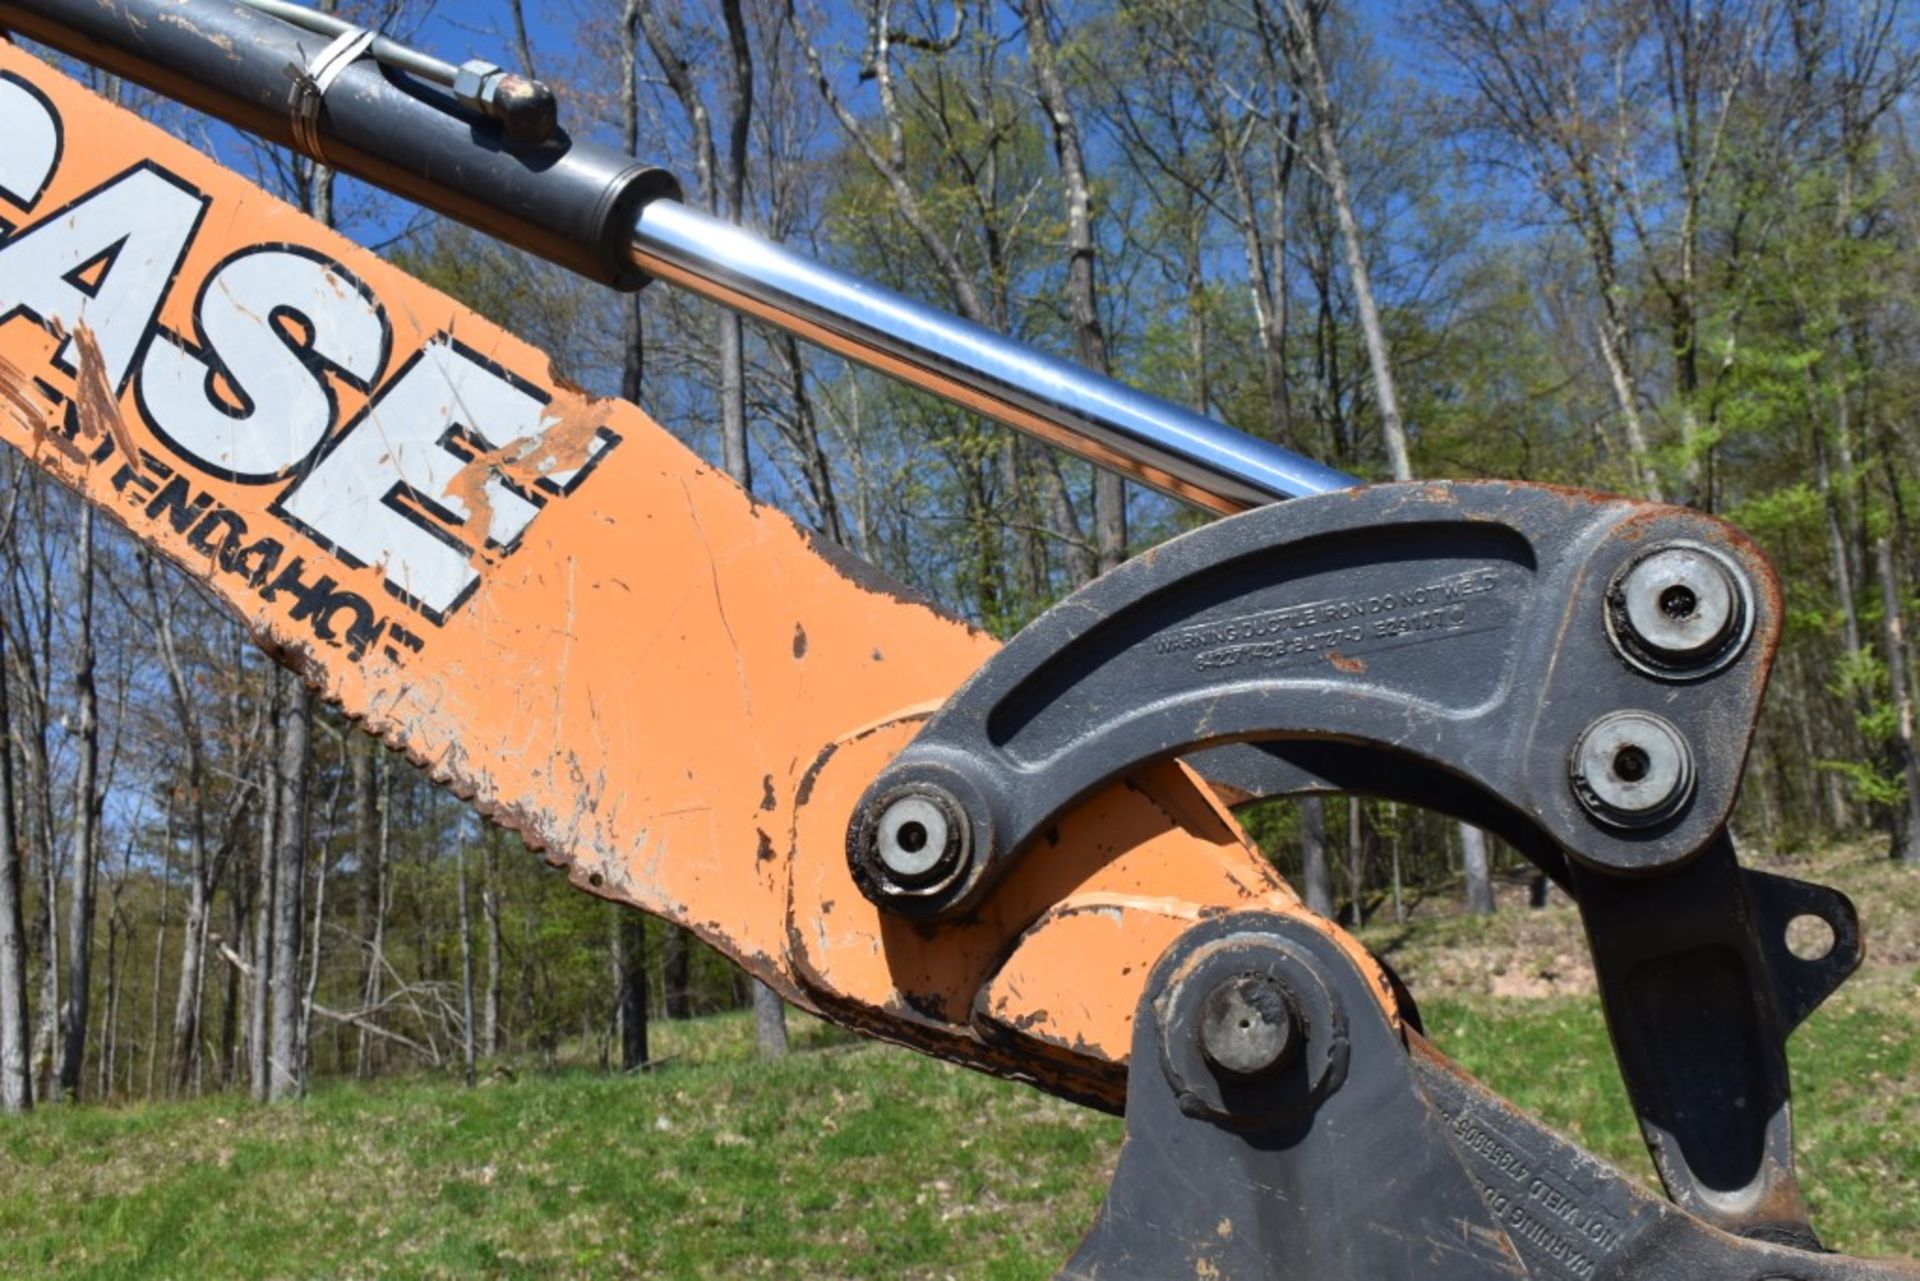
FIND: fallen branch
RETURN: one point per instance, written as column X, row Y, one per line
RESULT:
column 355, row 1019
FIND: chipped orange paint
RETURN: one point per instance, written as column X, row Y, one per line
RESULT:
column 665, row 686
column 577, row 418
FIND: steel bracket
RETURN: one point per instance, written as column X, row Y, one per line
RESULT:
column 1393, row 1165
column 1463, row 632
column 1578, row 674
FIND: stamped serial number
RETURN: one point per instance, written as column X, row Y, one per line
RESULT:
column 1338, row 628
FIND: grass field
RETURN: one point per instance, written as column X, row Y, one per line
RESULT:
column 850, row 1160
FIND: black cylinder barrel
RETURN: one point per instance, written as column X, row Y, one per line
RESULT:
column 569, row 201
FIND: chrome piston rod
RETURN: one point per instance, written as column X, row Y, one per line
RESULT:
column 613, row 219
column 1141, row 436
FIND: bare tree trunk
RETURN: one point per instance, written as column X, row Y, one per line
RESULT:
column 86, row 817
column 16, row 1085
column 522, row 45
column 231, row 1000
column 888, row 158
column 676, row 956
column 1837, row 554
column 315, row 938
column 105, row 1041
column 107, row 1056
column 723, row 188
column 1305, row 15
column 1037, row 496
column 383, row 890
column 733, row 356
column 1399, row 903
column 1905, row 833
column 1201, row 392
column 1477, row 869
column 490, row 910
column 1264, row 253
column 159, row 967
column 1524, row 62
column 629, row 931
column 769, row 1021
column 632, row 352
column 46, row 1036
column 1846, row 586
column 1317, row 881
column 1626, row 391
column 184, row 1051
column 805, row 438
column 1083, row 297
column 1356, row 863
column 733, row 398
column 184, row 1057
column 366, row 854
column 261, row 986
column 466, row 963
column 35, row 717
column 287, row 1066
column 364, row 794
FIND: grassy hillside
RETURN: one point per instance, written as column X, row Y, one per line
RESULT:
column 850, row 1160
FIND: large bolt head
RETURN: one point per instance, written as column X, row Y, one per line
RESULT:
column 921, row 842
column 916, row 840
column 1681, row 609
column 1632, row 769
column 1250, row 1028
column 912, row 838
column 470, row 81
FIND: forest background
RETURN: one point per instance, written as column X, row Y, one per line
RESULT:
column 1662, row 248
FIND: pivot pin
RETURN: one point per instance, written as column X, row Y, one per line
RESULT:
column 1680, row 610
column 913, row 839
column 911, row 848
column 1249, row 1027
column 1632, row 769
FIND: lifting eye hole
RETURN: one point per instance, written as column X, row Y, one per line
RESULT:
column 1810, row 938
column 1678, row 602
column 1630, row 764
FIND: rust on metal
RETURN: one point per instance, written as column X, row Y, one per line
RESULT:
column 573, row 423
column 667, row 689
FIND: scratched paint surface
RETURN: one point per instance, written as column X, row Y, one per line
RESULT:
column 539, row 594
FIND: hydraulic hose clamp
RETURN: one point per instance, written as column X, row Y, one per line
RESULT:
column 311, row 82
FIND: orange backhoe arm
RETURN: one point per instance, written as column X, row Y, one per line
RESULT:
column 988, row 853
column 669, row 689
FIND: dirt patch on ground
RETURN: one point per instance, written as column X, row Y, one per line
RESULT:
column 1533, row 954
column 1527, row 953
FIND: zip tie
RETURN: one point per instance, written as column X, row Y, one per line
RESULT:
column 310, row 85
